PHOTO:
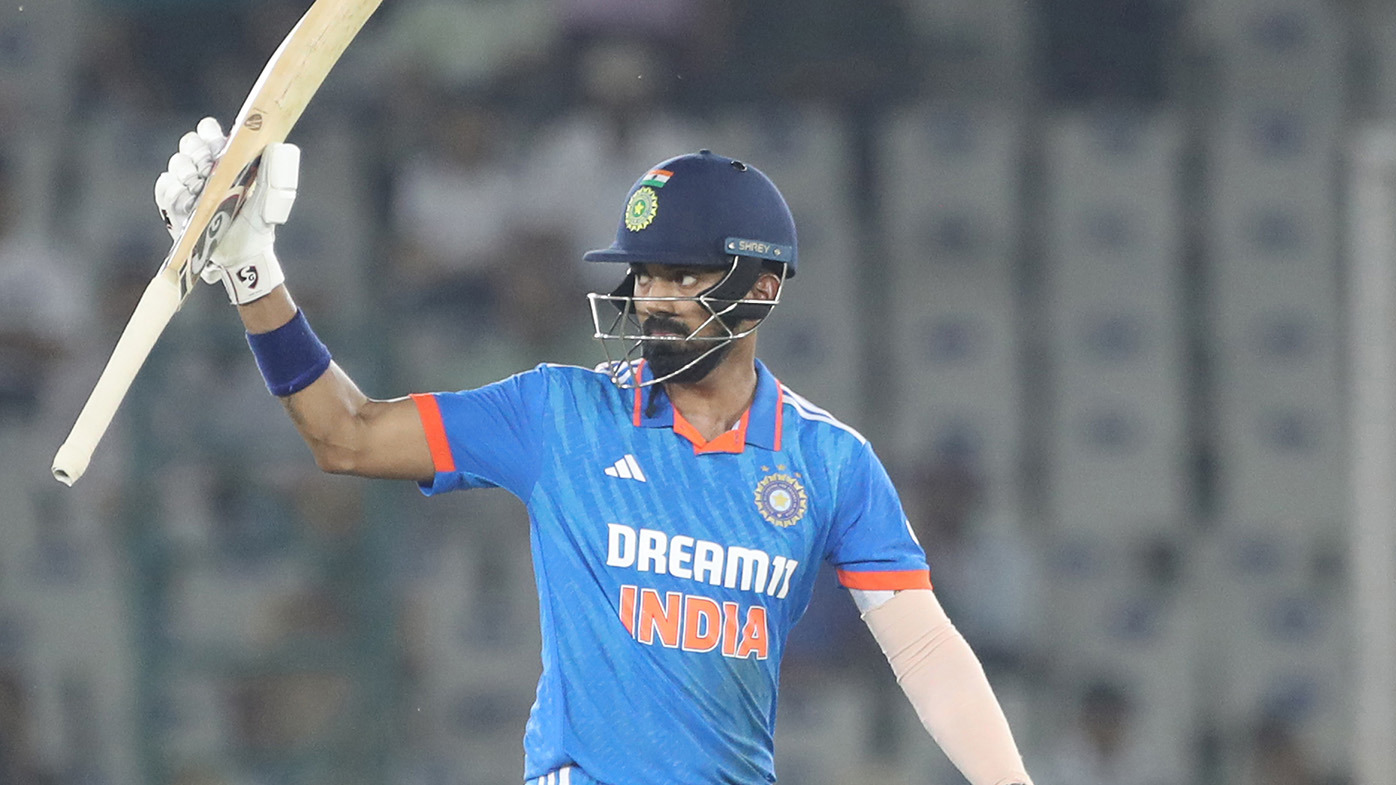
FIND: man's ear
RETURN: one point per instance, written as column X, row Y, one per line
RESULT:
column 767, row 287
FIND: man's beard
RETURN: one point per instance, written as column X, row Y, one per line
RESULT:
column 667, row 357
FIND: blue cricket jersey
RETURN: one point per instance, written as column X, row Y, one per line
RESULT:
column 669, row 568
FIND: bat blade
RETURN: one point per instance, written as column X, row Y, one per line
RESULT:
column 277, row 100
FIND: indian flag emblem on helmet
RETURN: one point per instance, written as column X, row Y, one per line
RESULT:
column 639, row 213
column 656, row 177
column 782, row 499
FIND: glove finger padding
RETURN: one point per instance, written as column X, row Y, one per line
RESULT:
column 211, row 132
column 197, row 150
column 177, row 189
column 183, row 168
column 175, row 202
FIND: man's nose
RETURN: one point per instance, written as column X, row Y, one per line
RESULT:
column 646, row 311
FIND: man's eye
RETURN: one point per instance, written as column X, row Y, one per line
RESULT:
column 688, row 280
column 641, row 279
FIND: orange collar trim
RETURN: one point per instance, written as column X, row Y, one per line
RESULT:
column 733, row 441
column 767, row 409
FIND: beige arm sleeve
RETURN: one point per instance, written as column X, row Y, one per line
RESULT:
column 946, row 685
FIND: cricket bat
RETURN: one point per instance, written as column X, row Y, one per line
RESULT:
column 287, row 83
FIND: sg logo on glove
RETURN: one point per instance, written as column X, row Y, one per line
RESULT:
column 248, row 275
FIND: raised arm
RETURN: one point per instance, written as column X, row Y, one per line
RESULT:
column 348, row 432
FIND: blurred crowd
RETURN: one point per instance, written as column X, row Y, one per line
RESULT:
column 204, row 607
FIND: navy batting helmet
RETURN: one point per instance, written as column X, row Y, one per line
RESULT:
column 696, row 210
column 702, row 209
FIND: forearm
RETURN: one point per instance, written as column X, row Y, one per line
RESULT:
column 327, row 413
column 946, row 685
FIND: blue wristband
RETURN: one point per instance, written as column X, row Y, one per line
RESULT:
column 290, row 357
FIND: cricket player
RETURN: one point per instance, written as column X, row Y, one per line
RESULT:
column 680, row 497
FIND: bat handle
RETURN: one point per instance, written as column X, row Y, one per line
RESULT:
column 158, row 304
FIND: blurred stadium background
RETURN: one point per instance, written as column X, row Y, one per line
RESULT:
column 1091, row 274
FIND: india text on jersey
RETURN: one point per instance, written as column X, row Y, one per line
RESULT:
column 694, row 623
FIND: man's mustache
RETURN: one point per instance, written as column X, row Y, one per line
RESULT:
column 663, row 324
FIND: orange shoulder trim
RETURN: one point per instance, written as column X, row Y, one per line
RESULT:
column 430, row 412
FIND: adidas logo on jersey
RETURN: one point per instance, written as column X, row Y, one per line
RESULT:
column 627, row 469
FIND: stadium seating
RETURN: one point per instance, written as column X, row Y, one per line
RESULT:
column 949, row 202
column 1112, row 290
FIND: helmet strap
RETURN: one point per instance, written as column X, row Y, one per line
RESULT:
column 652, row 400
column 622, row 294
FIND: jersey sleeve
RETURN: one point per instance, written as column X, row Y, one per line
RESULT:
column 488, row 437
column 872, row 546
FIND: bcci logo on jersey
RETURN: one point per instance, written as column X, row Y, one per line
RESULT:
column 782, row 499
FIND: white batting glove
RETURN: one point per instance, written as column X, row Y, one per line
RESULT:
column 245, row 260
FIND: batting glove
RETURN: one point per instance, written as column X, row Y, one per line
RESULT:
column 245, row 260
